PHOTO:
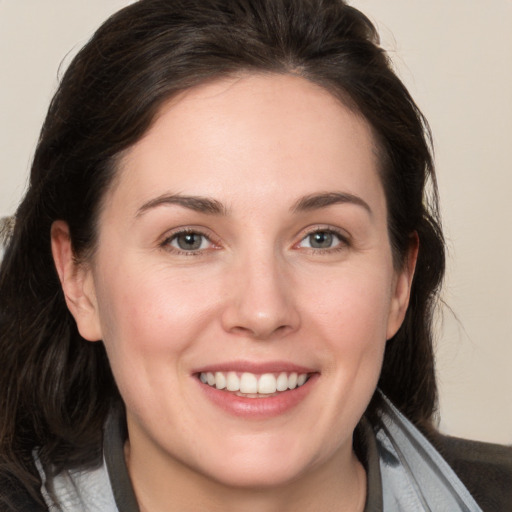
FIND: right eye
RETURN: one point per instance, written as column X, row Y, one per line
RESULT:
column 188, row 241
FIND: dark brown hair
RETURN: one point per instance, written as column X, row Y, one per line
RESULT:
column 56, row 387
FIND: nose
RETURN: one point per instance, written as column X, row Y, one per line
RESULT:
column 261, row 304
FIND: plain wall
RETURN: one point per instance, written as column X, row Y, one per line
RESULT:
column 456, row 59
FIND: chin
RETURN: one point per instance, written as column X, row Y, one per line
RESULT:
column 273, row 463
column 255, row 475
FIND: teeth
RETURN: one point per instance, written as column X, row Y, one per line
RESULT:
column 232, row 382
column 250, row 383
column 267, row 384
column 220, row 380
column 282, row 382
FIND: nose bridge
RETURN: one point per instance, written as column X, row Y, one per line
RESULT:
column 261, row 303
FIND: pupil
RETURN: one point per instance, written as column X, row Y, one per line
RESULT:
column 189, row 241
column 321, row 240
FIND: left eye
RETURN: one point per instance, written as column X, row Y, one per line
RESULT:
column 189, row 241
column 320, row 240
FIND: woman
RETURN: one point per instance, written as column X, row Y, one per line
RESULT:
column 228, row 274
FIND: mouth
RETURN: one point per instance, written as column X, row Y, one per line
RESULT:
column 256, row 390
column 254, row 385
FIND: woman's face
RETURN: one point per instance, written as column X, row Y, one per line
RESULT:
column 245, row 243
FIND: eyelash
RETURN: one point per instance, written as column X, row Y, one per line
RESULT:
column 166, row 243
column 342, row 244
column 343, row 240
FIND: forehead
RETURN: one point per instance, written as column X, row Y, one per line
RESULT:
column 251, row 135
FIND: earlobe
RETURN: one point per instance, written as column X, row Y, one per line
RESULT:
column 77, row 283
column 402, row 288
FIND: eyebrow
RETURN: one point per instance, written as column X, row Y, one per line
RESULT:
column 213, row 207
column 196, row 203
column 323, row 200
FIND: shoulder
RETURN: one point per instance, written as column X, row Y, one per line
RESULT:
column 484, row 468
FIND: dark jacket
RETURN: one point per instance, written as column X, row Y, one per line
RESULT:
column 484, row 468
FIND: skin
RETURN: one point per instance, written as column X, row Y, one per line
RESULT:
column 255, row 290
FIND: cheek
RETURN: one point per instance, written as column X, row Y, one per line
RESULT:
column 148, row 316
column 349, row 321
column 354, row 306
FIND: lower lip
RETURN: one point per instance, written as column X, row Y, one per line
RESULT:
column 258, row 408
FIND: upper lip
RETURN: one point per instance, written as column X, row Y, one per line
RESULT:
column 255, row 367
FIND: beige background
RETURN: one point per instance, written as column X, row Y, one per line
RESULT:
column 456, row 58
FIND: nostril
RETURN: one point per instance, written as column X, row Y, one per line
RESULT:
column 262, row 333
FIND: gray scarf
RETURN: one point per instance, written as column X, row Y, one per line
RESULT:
column 415, row 478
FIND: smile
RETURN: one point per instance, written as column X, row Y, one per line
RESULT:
column 251, row 385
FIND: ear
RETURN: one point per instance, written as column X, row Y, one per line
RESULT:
column 402, row 288
column 77, row 283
